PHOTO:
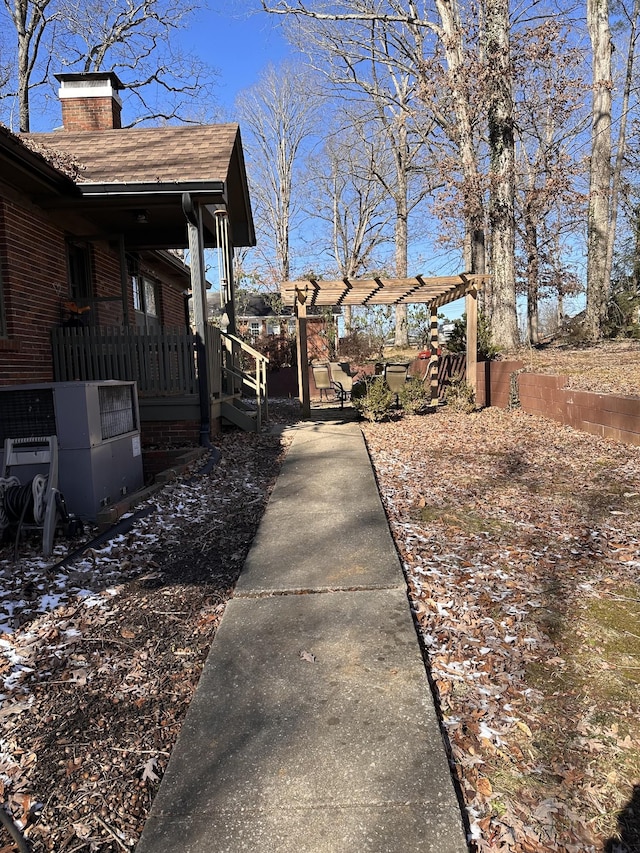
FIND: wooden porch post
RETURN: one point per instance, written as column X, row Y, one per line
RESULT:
column 471, row 306
column 433, row 363
column 303, row 356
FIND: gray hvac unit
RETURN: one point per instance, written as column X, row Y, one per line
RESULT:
column 97, row 425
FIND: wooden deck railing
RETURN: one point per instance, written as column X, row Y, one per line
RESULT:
column 245, row 371
column 162, row 361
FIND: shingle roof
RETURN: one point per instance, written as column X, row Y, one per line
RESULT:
column 147, row 155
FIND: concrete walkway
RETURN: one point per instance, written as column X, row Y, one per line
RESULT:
column 312, row 729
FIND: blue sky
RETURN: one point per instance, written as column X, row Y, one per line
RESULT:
column 239, row 42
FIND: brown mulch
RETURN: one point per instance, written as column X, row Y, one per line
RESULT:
column 99, row 660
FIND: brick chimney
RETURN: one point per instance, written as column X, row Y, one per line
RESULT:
column 90, row 101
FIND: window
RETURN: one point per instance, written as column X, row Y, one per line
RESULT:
column 79, row 261
column 146, row 301
column 254, row 330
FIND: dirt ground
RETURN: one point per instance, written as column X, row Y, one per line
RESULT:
column 521, row 545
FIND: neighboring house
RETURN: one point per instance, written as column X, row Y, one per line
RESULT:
column 92, row 285
column 256, row 318
column 255, row 315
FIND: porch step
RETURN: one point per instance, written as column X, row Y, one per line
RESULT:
column 237, row 413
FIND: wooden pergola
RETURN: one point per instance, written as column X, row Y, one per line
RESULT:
column 434, row 292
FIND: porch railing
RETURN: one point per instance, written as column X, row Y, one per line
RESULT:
column 245, row 372
column 160, row 360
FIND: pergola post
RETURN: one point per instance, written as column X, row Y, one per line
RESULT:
column 471, row 307
column 433, row 363
column 303, row 357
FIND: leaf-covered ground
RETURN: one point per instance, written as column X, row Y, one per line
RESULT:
column 99, row 659
column 610, row 367
column 521, row 544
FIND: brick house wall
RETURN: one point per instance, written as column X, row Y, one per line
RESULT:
column 34, row 280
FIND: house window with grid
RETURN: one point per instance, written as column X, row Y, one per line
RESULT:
column 254, row 330
column 146, row 301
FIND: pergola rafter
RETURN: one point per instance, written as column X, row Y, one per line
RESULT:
column 434, row 291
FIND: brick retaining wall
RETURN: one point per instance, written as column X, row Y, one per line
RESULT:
column 608, row 415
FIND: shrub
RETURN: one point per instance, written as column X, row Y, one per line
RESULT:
column 279, row 349
column 372, row 399
column 359, row 346
column 460, row 397
column 457, row 340
column 414, row 397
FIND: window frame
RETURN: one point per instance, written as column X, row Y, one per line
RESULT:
column 141, row 284
column 80, row 259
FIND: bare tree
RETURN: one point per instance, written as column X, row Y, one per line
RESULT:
column 280, row 113
column 31, row 19
column 132, row 37
column 351, row 200
column 549, row 116
column 366, row 65
column 600, row 168
column 451, row 36
column 504, row 323
column 629, row 22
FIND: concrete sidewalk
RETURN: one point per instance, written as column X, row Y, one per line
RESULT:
column 313, row 729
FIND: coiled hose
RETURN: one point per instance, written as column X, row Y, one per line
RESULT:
column 20, row 504
column 7, row 821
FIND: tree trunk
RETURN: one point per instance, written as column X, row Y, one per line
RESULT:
column 23, row 85
column 502, row 175
column 622, row 142
column 533, row 271
column 471, row 191
column 401, row 235
column 600, row 169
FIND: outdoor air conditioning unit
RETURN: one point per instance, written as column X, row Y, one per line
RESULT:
column 97, row 425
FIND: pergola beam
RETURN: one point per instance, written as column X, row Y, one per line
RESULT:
column 434, row 291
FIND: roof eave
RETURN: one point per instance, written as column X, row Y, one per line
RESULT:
column 198, row 188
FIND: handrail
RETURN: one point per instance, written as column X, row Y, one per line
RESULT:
column 242, row 380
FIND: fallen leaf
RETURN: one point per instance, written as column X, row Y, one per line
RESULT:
column 149, row 770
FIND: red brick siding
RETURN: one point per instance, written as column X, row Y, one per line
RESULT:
column 317, row 339
column 90, row 113
column 170, row 433
column 35, row 284
column 494, row 382
column 34, row 281
column 107, row 284
column 172, row 306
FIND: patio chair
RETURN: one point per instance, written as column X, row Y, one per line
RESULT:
column 322, row 379
column 395, row 375
column 342, row 381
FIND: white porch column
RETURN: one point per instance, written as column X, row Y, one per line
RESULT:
column 198, row 278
